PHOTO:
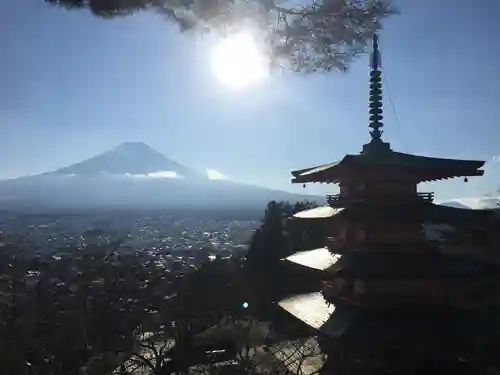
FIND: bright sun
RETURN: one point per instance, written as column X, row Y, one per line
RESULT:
column 238, row 62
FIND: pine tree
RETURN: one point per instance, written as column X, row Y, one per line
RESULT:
column 317, row 35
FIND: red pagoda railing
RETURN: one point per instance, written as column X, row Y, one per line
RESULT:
column 334, row 198
column 428, row 197
column 338, row 199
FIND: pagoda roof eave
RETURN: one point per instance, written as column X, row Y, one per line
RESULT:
column 336, row 179
column 427, row 212
column 431, row 168
column 318, row 259
column 311, row 174
column 317, row 168
column 365, row 262
column 321, row 212
column 312, row 309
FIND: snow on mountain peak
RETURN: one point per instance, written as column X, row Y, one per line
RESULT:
column 138, row 147
column 129, row 158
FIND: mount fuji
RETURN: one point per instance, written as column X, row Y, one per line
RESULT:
column 133, row 175
column 129, row 158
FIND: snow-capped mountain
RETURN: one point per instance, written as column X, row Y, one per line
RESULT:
column 475, row 203
column 129, row 158
column 133, row 175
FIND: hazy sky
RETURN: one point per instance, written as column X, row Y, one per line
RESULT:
column 73, row 85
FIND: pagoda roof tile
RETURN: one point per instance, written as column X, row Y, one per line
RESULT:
column 319, row 259
column 316, row 169
column 312, row 308
column 321, row 212
column 380, row 264
column 426, row 212
column 431, row 167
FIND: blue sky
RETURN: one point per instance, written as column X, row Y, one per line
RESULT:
column 73, row 85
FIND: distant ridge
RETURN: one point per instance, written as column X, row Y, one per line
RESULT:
column 475, row 203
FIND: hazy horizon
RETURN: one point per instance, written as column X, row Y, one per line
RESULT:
column 77, row 86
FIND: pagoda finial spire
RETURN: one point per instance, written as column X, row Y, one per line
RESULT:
column 375, row 93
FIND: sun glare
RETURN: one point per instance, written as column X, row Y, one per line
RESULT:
column 238, row 62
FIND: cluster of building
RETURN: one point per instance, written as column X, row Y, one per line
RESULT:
column 158, row 233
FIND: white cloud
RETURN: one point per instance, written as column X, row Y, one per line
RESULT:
column 496, row 159
column 159, row 174
column 213, row 174
column 165, row 174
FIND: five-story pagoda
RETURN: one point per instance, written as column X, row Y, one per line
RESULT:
column 393, row 301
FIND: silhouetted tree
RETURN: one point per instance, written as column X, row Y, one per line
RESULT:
column 207, row 323
column 317, row 35
column 98, row 312
column 306, row 234
column 59, row 312
column 234, row 345
column 269, row 245
column 272, row 241
column 214, row 291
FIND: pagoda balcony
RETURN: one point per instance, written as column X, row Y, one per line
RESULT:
column 341, row 200
column 426, row 197
column 335, row 199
